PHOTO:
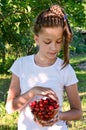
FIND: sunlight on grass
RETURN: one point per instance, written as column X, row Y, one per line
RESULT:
column 78, row 59
column 82, row 80
column 9, row 122
column 4, row 76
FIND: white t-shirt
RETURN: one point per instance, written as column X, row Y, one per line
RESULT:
column 53, row 76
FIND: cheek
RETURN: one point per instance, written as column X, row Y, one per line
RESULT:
column 43, row 47
column 59, row 47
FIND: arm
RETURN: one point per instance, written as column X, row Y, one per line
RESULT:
column 16, row 101
column 75, row 111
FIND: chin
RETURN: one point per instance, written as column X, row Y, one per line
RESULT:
column 52, row 57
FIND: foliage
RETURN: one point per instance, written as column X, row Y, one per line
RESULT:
column 78, row 44
column 16, row 22
column 9, row 122
column 7, row 119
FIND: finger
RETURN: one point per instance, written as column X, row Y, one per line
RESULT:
column 47, row 124
column 54, row 97
column 37, row 121
column 46, row 91
column 42, row 123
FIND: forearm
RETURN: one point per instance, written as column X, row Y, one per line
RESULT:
column 75, row 111
column 73, row 114
column 18, row 102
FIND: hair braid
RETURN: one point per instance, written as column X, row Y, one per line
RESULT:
column 55, row 17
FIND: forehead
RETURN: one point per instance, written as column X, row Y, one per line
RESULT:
column 51, row 32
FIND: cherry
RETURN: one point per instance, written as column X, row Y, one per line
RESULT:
column 44, row 109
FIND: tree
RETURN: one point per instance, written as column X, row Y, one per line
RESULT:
column 16, row 21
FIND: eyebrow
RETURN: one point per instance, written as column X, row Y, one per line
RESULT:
column 50, row 39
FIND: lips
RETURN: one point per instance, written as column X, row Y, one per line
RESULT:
column 52, row 53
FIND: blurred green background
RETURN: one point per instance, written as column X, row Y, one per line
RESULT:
column 16, row 39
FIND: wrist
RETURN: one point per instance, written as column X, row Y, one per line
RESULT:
column 60, row 115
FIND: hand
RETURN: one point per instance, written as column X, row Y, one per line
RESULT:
column 38, row 90
column 47, row 123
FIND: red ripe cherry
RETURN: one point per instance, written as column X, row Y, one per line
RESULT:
column 46, row 116
column 32, row 104
column 45, row 101
column 40, row 104
column 51, row 107
column 36, row 109
column 44, row 108
column 56, row 106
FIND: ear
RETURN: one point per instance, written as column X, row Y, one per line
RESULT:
column 36, row 38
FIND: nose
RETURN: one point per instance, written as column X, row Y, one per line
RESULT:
column 53, row 46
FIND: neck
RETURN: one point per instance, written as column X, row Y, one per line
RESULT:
column 42, row 61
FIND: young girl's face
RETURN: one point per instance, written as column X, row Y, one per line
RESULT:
column 50, row 41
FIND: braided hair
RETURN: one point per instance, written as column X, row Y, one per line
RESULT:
column 55, row 17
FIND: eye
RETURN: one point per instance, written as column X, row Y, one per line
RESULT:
column 47, row 42
column 59, row 42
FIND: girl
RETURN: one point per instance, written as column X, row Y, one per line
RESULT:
column 45, row 74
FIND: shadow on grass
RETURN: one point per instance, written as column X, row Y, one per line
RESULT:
column 82, row 81
column 4, row 86
column 6, row 127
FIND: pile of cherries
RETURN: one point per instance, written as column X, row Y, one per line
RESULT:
column 44, row 109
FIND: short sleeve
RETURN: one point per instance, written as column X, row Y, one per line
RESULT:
column 16, row 67
column 70, row 77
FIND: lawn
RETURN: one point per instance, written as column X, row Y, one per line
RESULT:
column 8, row 122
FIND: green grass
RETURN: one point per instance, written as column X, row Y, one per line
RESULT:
column 81, row 75
column 9, row 122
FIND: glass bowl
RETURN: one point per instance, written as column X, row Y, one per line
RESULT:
column 44, row 108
